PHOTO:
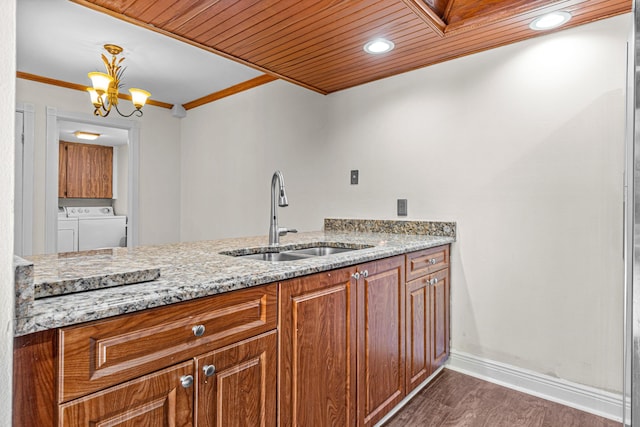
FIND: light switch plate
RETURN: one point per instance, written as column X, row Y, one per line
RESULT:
column 354, row 177
column 402, row 207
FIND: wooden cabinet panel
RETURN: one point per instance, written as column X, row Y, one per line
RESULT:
column 34, row 377
column 381, row 333
column 106, row 352
column 440, row 318
column 418, row 361
column 158, row 399
column 242, row 389
column 318, row 350
column 427, row 261
column 86, row 171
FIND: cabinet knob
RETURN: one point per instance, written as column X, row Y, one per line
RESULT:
column 198, row 330
column 186, row 381
column 365, row 273
column 209, row 370
column 433, row 281
column 432, row 261
column 356, row 275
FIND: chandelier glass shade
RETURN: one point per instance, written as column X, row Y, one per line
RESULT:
column 105, row 88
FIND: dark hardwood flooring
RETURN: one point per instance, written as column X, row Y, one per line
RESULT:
column 454, row 399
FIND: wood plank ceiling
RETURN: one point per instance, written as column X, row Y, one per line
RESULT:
column 318, row 44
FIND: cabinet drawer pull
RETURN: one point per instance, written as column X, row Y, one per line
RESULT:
column 356, row 275
column 432, row 261
column 209, row 370
column 186, row 381
column 198, row 330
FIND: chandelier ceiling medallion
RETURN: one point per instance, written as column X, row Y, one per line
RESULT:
column 105, row 91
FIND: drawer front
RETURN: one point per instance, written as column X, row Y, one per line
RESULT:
column 106, row 352
column 427, row 261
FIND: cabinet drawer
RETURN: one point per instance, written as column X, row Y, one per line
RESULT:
column 426, row 261
column 106, row 352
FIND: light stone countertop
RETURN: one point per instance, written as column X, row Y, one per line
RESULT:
column 187, row 271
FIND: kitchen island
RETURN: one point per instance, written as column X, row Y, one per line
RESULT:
column 134, row 339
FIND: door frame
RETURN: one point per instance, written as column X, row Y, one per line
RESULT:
column 51, row 172
column 25, row 169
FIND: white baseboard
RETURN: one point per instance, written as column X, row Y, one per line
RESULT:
column 584, row 398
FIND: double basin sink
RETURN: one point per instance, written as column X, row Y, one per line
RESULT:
column 296, row 253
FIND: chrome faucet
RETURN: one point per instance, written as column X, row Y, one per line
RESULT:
column 274, row 231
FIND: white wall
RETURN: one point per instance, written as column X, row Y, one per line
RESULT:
column 521, row 145
column 159, row 168
column 7, row 141
column 121, row 156
column 230, row 149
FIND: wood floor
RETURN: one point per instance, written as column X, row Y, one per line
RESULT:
column 455, row 399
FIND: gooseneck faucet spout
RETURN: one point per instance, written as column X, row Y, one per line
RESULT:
column 274, row 231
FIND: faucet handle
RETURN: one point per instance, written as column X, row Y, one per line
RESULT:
column 283, row 231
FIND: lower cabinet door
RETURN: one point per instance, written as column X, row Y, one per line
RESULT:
column 440, row 318
column 381, row 335
column 164, row 398
column 318, row 350
column 237, row 384
column 418, row 361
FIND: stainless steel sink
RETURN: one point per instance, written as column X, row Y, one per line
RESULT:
column 321, row 251
column 274, row 256
column 292, row 253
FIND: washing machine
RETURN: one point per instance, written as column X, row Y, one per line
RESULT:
column 67, row 232
column 99, row 227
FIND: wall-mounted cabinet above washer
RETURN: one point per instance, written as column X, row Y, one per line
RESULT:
column 85, row 171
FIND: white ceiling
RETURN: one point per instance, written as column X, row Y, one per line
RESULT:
column 63, row 40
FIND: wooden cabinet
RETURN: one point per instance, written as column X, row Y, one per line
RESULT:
column 132, row 370
column 237, row 384
column 342, row 345
column 427, row 316
column 381, row 335
column 85, row 171
column 159, row 399
column 349, row 345
column 318, row 350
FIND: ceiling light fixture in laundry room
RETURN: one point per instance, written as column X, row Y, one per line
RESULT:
column 90, row 136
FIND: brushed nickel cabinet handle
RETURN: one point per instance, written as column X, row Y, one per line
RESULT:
column 198, row 330
column 356, row 275
column 186, row 381
column 209, row 370
column 365, row 273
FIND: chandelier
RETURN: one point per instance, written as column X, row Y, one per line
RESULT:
column 104, row 93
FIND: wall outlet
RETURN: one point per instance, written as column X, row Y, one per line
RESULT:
column 402, row 207
column 354, row 177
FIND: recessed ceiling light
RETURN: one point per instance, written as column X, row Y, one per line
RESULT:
column 378, row 46
column 550, row 20
column 86, row 135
